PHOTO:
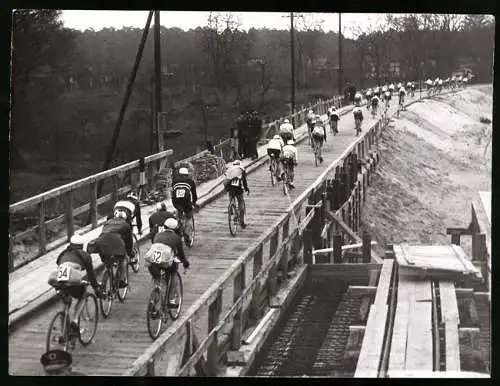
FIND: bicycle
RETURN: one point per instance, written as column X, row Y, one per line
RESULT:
column 317, row 152
column 135, row 247
column 111, row 278
column 334, row 127
column 374, row 111
column 159, row 297
column 286, row 176
column 400, row 106
column 234, row 214
column 357, row 126
column 62, row 319
column 183, row 221
column 273, row 168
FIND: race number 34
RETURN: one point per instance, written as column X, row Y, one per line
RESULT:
column 63, row 273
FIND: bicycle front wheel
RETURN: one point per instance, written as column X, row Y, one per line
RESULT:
column 174, row 295
column 233, row 218
column 189, row 231
column 57, row 334
column 87, row 321
column 273, row 172
column 122, row 292
column 135, row 266
column 154, row 317
column 106, row 302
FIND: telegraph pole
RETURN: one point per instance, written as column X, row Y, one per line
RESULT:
column 340, row 53
column 157, row 99
column 292, row 47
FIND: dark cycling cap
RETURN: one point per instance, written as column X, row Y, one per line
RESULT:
column 56, row 361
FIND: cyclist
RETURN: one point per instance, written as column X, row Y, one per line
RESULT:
column 135, row 211
column 309, row 120
column 286, row 130
column 358, row 118
column 357, row 99
column 274, row 147
column 374, row 103
column 334, row 119
column 391, row 88
column 78, row 262
column 402, row 94
column 429, row 84
column 157, row 219
column 412, row 89
column 376, row 92
column 319, row 135
column 168, row 244
column 235, row 182
column 387, row 98
column 289, row 157
column 184, row 196
column 368, row 96
column 115, row 241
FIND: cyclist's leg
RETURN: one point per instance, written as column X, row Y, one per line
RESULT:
column 241, row 207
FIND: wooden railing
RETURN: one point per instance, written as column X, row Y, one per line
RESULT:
column 117, row 181
column 219, row 317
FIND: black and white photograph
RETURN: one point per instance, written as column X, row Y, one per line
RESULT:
column 250, row 194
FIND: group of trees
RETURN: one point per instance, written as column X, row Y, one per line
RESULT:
column 67, row 85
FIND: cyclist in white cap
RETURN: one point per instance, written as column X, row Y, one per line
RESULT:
column 184, row 196
column 286, row 130
column 289, row 158
column 133, row 212
column 157, row 219
column 235, row 182
column 274, row 147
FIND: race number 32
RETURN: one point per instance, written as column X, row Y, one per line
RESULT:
column 63, row 273
column 157, row 257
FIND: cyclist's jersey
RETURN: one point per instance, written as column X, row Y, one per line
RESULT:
column 334, row 116
column 413, row 85
column 375, row 101
column 358, row 113
column 428, row 82
column 319, row 131
column 117, row 225
column 235, row 178
column 402, row 92
column 391, row 87
column 173, row 240
column 184, row 189
column 310, row 117
column 387, row 95
column 275, row 144
column 107, row 245
column 289, row 152
column 286, row 128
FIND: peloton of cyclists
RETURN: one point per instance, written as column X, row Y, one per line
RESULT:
column 289, row 158
column 274, row 147
column 235, row 182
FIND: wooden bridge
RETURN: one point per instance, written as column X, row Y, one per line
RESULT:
column 233, row 281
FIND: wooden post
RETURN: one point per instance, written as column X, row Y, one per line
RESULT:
column 151, row 368
column 257, row 266
column 348, row 178
column 455, row 238
column 214, row 311
column 272, row 280
column 337, row 248
column 273, row 245
column 114, row 193
column 93, row 204
column 42, row 239
column 286, row 229
column 70, row 228
column 307, row 235
column 238, row 287
column 366, row 248
column 343, row 187
column 283, row 263
column 359, row 205
column 330, row 192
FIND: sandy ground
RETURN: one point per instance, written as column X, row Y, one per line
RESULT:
column 434, row 159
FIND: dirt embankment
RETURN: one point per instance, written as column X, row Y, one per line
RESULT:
column 434, row 159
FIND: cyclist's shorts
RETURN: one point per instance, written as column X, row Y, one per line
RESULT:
column 286, row 136
column 287, row 161
column 318, row 137
column 108, row 259
column 274, row 153
column 183, row 204
column 155, row 269
column 334, row 118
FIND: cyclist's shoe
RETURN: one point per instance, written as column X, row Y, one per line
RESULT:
column 321, row 159
column 187, row 240
column 292, row 186
column 153, row 311
column 122, row 284
column 243, row 226
column 185, row 264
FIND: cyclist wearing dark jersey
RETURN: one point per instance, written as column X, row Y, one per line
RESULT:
column 184, row 195
column 134, row 209
column 170, row 238
column 157, row 219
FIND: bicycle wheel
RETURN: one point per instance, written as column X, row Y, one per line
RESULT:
column 233, row 218
column 154, row 313
column 90, row 314
column 54, row 338
column 272, row 168
column 188, row 231
column 135, row 266
column 285, row 181
column 316, row 154
column 174, row 295
column 122, row 292
column 106, row 302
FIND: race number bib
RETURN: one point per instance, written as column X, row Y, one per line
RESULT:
column 160, row 254
column 157, row 257
column 180, row 193
column 161, row 228
column 63, row 273
column 235, row 182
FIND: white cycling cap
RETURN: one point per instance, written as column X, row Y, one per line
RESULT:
column 171, row 223
column 290, row 142
column 286, row 121
column 76, row 240
column 276, row 137
column 236, row 162
column 183, row 171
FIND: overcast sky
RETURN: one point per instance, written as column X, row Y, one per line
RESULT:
column 185, row 20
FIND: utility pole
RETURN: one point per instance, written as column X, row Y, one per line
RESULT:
column 340, row 54
column 158, row 104
column 292, row 48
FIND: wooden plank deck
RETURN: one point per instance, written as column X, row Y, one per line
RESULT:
column 125, row 333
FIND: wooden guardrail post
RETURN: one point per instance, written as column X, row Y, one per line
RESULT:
column 359, row 205
column 307, row 236
column 330, row 192
column 337, row 248
column 255, row 303
column 70, row 228
column 342, row 187
column 93, row 204
column 114, row 192
column 366, row 247
column 238, row 325
column 42, row 237
column 214, row 311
